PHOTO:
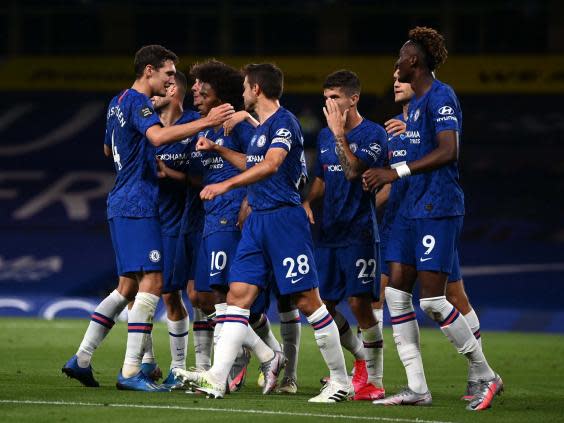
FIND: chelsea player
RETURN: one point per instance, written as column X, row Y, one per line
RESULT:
column 134, row 130
column 276, row 236
column 344, row 255
column 398, row 145
column 424, row 236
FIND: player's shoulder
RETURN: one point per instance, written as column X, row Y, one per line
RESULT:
column 371, row 128
column 442, row 91
column 243, row 128
column 188, row 116
column 284, row 119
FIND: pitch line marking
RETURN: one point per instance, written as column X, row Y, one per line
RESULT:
column 220, row 410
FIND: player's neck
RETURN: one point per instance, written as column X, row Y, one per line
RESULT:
column 266, row 108
column 170, row 114
column 422, row 83
column 141, row 86
column 353, row 119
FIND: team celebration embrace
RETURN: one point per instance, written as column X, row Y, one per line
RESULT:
column 212, row 202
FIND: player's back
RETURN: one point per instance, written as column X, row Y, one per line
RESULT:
column 281, row 130
column 437, row 193
column 135, row 192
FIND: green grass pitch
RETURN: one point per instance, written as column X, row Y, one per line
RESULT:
column 32, row 387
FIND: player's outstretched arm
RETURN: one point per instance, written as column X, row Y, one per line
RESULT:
column 235, row 158
column 269, row 166
column 316, row 191
column 159, row 135
column 353, row 167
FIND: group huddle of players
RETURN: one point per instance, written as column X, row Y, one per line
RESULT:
column 209, row 201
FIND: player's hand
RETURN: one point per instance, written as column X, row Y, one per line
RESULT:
column 204, row 144
column 220, row 114
column 395, row 127
column 335, row 119
column 235, row 119
column 309, row 212
column 161, row 169
column 376, row 177
column 209, row 192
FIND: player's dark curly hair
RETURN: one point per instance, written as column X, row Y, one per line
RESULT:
column 431, row 43
column 154, row 55
column 227, row 82
column 347, row 80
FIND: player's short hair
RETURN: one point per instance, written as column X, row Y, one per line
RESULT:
column 227, row 82
column 181, row 82
column 154, row 55
column 345, row 79
column 431, row 44
column 268, row 77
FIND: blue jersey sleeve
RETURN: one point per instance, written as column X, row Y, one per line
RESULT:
column 284, row 135
column 445, row 111
column 370, row 150
column 143, row 116
column 242, row 135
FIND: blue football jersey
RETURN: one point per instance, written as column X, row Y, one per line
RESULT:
column 397, row 151
column 346, row 206
column 222, row 211
column 193, row 216
column 172, row 193
column 437, row 193
column 281, row 130
column 135, row 192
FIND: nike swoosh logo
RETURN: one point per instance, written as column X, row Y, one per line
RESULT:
column 324, row 150
column 296, row 280
column 215, row 273
column 366, row 281
column 421, row 259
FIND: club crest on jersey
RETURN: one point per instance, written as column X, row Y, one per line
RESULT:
column 145, row 112
column 155, row 256
column 261, row 141
column 219, row 141
column 284, row 133
column 446, row 110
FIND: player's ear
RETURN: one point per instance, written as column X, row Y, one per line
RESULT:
column 148, row 72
